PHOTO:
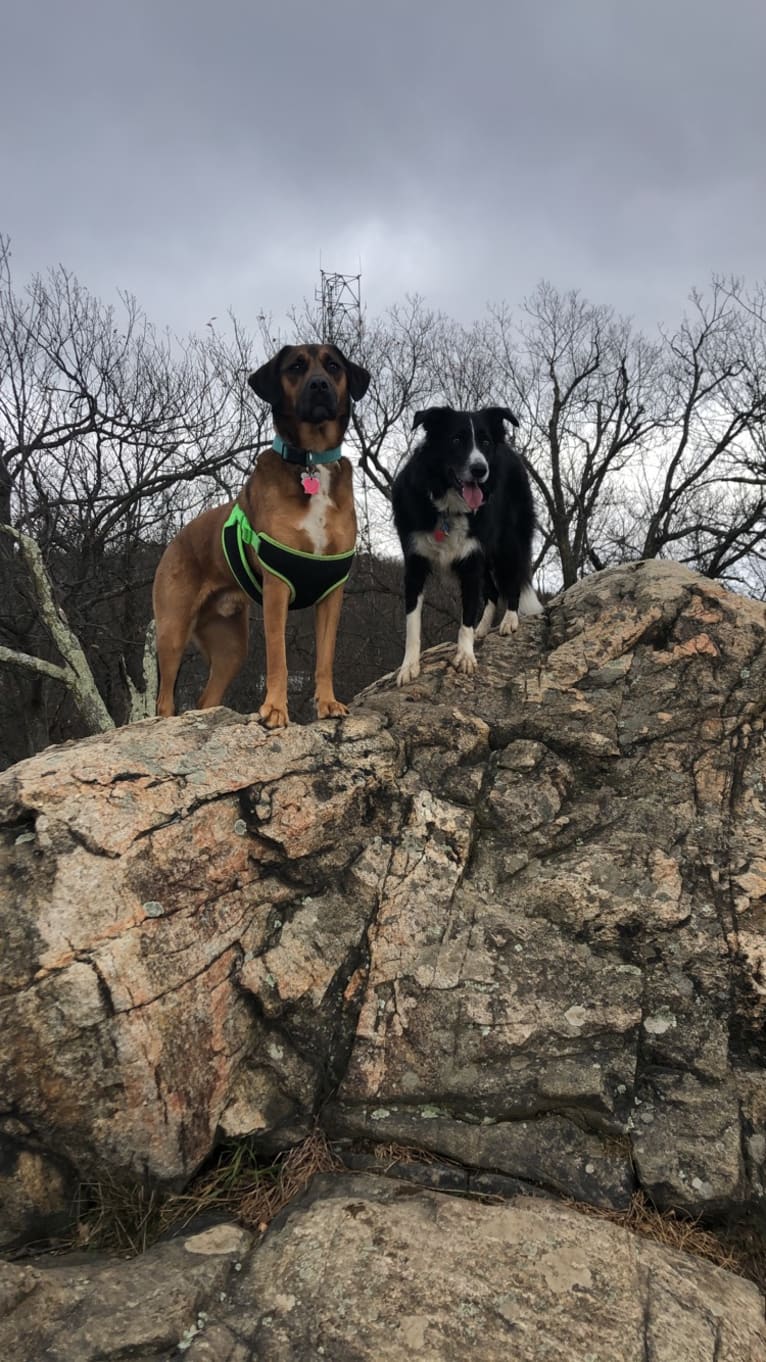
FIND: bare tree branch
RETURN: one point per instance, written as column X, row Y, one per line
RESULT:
column 76, row 673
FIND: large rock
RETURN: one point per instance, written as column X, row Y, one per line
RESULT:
column 87, row 1309
column 38, row 1193
column 517, row 919
column 153, row 880
column 349, row 1274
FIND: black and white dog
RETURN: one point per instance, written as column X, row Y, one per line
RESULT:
column 463, row 501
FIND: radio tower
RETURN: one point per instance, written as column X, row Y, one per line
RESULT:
column 341, row 299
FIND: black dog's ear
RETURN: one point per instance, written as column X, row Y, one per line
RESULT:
column 265, row 381
column 358, row 378
column 430, row 417
column 502, row 414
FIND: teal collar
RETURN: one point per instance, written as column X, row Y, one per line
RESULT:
column 305, row 457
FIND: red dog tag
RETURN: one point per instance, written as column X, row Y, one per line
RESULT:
column 439, row 535
column 310, row 483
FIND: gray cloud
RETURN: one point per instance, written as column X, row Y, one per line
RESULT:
column 204, row 155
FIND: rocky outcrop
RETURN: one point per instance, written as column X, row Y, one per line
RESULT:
column 150, row 1309
column 154, row 881
column 350, row 1274
column 516, row 919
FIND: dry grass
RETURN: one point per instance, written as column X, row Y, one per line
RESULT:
column 129, row 1219
column 391, row 1154
column 293, row 1172
column 737, row 1249
column 117, row 1218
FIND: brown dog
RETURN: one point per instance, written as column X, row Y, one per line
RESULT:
column 288, row 539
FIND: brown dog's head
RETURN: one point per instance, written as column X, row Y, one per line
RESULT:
column 308, row 388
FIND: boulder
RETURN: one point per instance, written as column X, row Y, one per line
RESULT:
column 88, row 1309
column 516, row 919
column 38, row 1193
column 349, row 1273
column 153, row 881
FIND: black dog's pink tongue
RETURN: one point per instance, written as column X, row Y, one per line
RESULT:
column 473, row 494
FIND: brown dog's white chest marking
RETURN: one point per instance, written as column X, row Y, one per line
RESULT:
column 321, row 505
column 324, row 522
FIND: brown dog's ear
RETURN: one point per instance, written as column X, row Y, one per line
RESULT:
column 358, row 378
column 265, row 382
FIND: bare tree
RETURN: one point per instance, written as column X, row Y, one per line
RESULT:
column 100, row 414
column 704, row 487
column 586, row 388
column 110, row 435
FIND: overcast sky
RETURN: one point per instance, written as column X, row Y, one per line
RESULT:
column 206, row 154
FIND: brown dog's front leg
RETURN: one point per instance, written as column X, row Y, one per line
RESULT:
column 327, row 617
column 276, row 598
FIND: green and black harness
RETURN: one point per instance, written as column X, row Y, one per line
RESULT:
column 310, row 576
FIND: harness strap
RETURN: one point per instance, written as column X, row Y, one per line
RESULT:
column 235, row 534
column 310, row 576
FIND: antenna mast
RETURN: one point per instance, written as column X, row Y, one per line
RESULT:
column 341, row 298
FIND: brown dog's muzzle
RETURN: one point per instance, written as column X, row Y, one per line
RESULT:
column 318, row 398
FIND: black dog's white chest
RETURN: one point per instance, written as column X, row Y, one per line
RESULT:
column 453, row 539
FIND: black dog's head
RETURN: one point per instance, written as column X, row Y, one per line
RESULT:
column 310, row 386
column 458, row 448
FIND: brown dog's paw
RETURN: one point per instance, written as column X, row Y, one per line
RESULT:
column 273, row 716
column 330, row 709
